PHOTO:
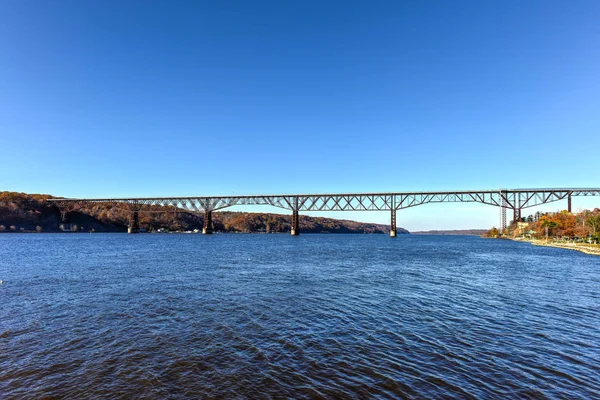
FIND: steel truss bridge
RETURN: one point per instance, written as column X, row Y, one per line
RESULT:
column 506, row 199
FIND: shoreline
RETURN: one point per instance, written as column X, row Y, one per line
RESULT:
column 590, row 249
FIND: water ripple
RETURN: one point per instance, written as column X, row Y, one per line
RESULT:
column 317, row 316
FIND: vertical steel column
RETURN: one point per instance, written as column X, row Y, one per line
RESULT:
column 569, row 208
column 393, row 225
column 64, row 225
column 520, row 203
column 503, row 207
column 134, row 222
column 517, row 215
column 64, row 209
column 517, row 209
column 295, row 219
column 207, row 229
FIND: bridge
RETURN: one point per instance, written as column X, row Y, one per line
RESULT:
column 506, row 199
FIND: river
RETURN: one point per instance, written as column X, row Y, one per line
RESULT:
column 157, row 316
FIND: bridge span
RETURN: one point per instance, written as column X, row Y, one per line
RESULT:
column 506, row 199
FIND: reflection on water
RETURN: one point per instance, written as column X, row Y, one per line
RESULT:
column 315, row 316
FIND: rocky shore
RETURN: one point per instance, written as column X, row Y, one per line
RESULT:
column 593, row 249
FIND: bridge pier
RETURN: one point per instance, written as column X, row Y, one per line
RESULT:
column 134, row 223
column 569, row 208
column 516, row 215
column 207, row 229
column 393, row 226
column 295, row 223
column 503, row 207
column 64, row 224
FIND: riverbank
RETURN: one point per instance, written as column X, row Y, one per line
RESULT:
column 592, row 249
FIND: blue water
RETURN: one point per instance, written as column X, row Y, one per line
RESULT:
column 316, row 316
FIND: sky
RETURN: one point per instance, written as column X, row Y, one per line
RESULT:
column 191, row 98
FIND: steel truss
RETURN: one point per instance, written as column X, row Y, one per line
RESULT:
column 515, row 199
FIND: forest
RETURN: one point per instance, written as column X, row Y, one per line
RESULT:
column 584, row 226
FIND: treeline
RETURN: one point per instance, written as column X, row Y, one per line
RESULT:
column 20, row 212
column 563, row 224
column 25, row 212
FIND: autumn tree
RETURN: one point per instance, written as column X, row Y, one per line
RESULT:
column 492, row 233
column 566, row 223
column 547, row 222
column 593, row 221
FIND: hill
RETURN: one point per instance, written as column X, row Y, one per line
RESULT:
column 563, row 225
column 21, row 212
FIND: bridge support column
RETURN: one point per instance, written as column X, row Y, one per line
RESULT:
column 569, row 208
column 503, row 207
column 516, row 215
column 295, row 223
column 393, row 226
column 134, row 223
column 207, row 229
column 64, row 224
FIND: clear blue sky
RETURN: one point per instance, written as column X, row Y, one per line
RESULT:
column 160, row 98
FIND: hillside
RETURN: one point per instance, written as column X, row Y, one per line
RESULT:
column 20, row 212
column 563, row 225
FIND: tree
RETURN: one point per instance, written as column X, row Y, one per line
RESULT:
column 493, row 232
column 565, row 223
column 593, row 221
column 547, row 223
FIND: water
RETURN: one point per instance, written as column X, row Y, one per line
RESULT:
column 315, row 316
